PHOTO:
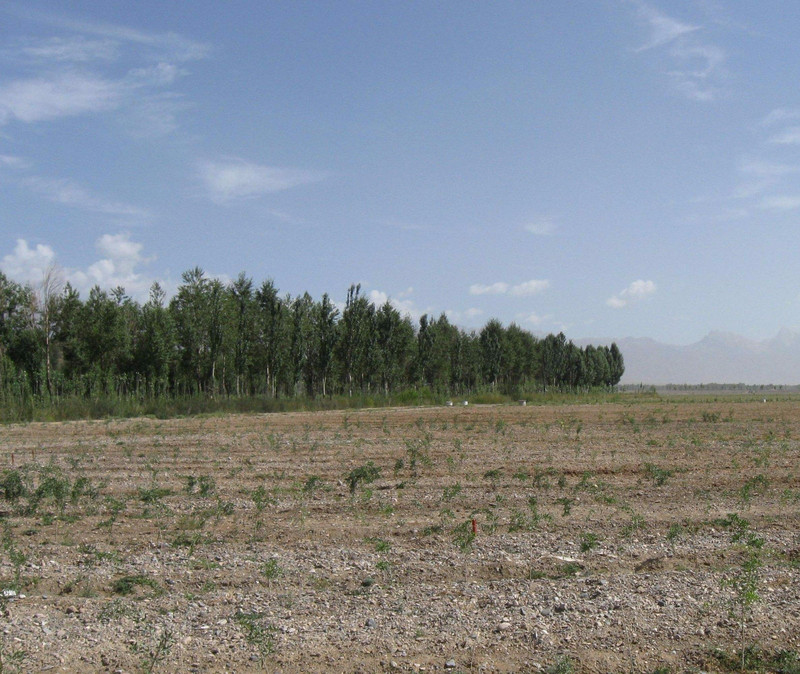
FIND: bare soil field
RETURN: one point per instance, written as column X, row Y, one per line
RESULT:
column 646, row 537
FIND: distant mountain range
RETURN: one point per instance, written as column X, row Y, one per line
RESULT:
column 718, row 358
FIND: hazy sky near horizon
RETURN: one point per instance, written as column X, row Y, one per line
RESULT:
column 608, row 168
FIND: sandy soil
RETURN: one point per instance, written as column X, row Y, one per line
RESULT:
column 608, row 538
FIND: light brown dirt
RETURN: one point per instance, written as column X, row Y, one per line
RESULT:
column 619, row 565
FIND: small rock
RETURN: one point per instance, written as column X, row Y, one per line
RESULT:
column 450, row 664
column 371, row 623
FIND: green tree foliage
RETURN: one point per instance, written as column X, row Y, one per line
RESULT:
column 154, row 345
column 238, row 340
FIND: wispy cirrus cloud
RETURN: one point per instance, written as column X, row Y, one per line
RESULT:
column 695, row 67
column 174, row 45
column 765, row 169
column 532, row 287
column 636, row 292
column 759, row 175
column 663, row 29
column 781, row 202
column 788, row 136
column 70, row 193
column 540, row 227
column 780, row 115
column 233, row 178
column 13, row 162
column 61, row 95
column 70, row 49
column 95, row 68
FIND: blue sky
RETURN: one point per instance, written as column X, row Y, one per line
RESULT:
column 609, row 168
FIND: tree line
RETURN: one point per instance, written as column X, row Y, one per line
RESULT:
column 239, row 339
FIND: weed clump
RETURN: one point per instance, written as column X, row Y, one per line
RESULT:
column 365, row 474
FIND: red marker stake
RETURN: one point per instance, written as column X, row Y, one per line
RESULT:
column 474, row 526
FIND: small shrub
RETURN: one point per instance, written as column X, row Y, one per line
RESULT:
column 128, row 584
column 83, row 487
column 451, row 492
column 256, row 633
column 271, row 569
column 588, row 541
column 12, row 485
column 464, row 536
column 674, row 532
column 367, row 473
column 755, row 485
column 492, row 474
column 567, row 505
column 659, row 476
column 311, row 484
column 261, row 498
column 154, row 494
column 561, row 666
column 636, row 523
column 207, row 485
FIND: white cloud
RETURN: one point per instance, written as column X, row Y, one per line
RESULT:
column 378, row 297
column 663, row 29
column 765, row 169
column 697, row 68
column 61, row 95
column 636, row 292
column 120, row 248
column 468, row 317
column 789, row 136
column 174, row 45
column 532, row 287
column 83, row 73
column 154, row 116
column 701, row 72
column 540, row 228
column 69, row 193
column 160, row 75
column 406, row 307
column 760, row 176
column 12, row 162
column 498, row 288
column 236, row 179
column 118, row 267
column 532, row 319
column 780, row 203
column 74, row 49
column 780, row 115
column 27, row 265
